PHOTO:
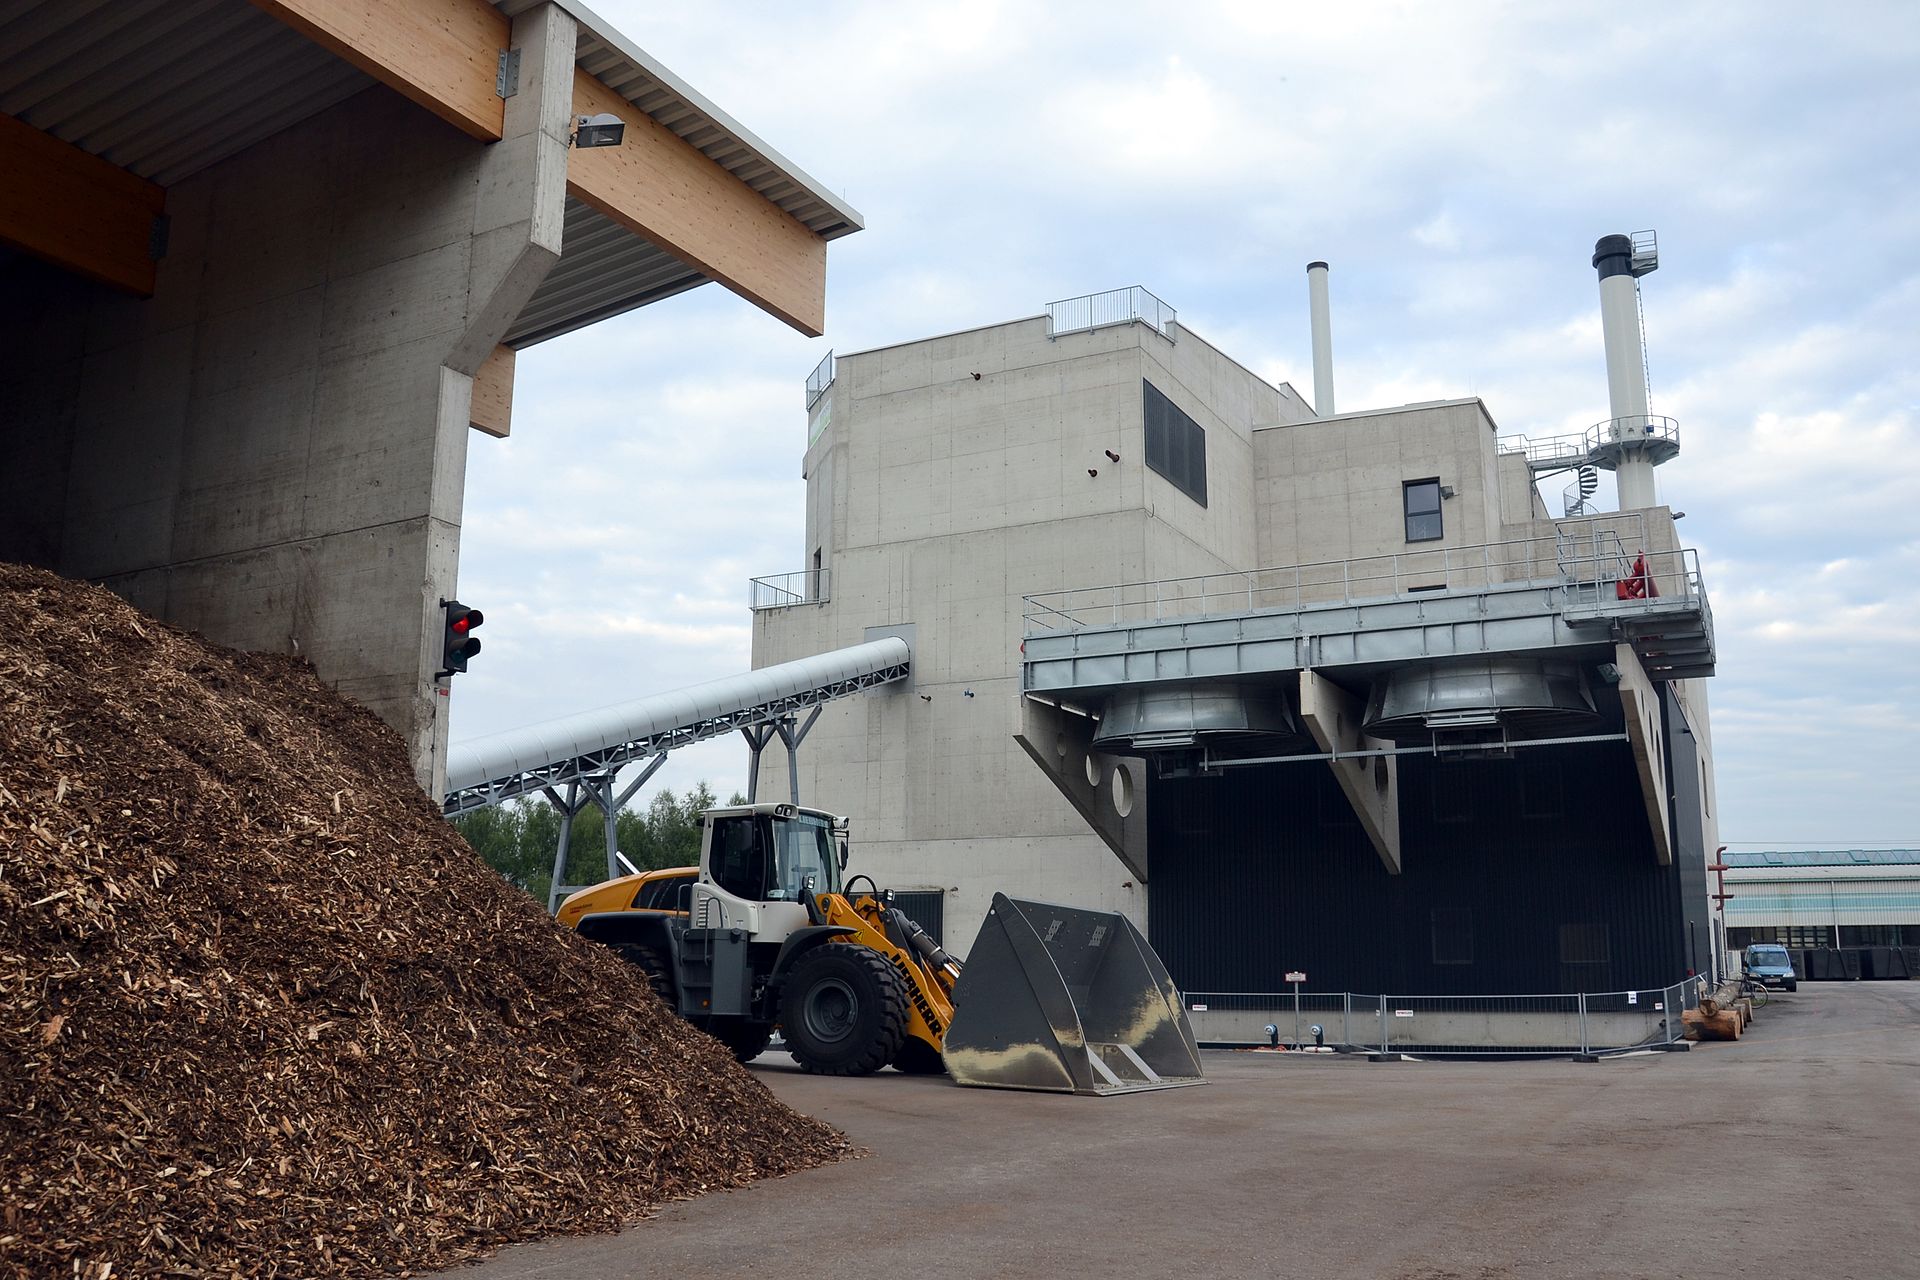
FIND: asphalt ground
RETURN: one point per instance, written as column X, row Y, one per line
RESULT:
column 1792, row 1153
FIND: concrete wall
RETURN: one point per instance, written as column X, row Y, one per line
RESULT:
column 938, row 500
column 1330, row 489
column 272, row 449
column 950, row 477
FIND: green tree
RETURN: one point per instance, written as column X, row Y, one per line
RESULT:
column 519, row 839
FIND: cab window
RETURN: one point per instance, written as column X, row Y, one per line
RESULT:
column 739, row 862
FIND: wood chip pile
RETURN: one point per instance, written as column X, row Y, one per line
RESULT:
column 264, row 1013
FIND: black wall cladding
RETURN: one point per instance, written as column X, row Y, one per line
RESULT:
column 1265, row 868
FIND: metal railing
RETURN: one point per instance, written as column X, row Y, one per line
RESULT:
column 1586, row 1023
column 819, row 380
column 1587, row 558
column 784, row 590
column 1552, row 453
column 1115, row 306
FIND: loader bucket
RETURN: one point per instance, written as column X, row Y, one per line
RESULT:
column 1066, row 1000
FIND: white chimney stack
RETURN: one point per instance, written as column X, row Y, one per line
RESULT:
column 1620, row 272
column 1322, row 339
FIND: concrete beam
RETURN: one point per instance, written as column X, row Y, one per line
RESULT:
column 1640, row 704
column 76, row 210
column 1107, row 791
column 521, row 213
column 1372, row 785
column 492, row 410
column 443, row 54
column 661, row 187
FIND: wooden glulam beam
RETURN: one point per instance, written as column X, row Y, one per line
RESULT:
column 76, row 210
column 443, row 54
column 659, row 186
column 492, row 410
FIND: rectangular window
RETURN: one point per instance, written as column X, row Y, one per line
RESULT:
column 1422, row 501
column 1452, row 935
column 1584, row 944
column 1176, row 444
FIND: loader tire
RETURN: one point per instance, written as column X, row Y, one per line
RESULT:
column 844, row 1012
column 918, row 1058
column 747, row 1040
column 654, row 965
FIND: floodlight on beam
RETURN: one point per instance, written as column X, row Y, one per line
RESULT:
column 603, row 130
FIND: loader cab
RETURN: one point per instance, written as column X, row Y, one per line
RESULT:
column 757, row 860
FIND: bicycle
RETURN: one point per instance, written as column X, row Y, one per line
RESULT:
column 1755, row 990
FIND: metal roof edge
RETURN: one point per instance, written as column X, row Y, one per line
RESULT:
column 613, row 37
column 1795, row 859
column 936, row 337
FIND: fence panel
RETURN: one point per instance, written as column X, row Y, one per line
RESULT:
column 1478, row 1026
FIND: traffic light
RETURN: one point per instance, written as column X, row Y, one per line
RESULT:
column 460, row 642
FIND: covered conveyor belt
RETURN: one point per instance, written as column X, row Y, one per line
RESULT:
column 594, row 744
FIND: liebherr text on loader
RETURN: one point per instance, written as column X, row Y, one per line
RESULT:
column 763, row 934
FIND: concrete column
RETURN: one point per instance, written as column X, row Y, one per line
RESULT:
column 272, row 449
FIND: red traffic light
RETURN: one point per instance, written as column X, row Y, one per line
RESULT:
column 459, row 643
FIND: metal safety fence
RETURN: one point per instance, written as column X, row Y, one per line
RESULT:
column 1586, row 1023
column 1588, row 562
column 1115, row 306
column 784, row 590
column 820, row 379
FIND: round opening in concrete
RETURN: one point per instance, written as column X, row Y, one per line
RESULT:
column 1122, row 791
column 1093, row 770
column 1060, row 745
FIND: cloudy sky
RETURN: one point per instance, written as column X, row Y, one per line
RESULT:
column 1455, row 164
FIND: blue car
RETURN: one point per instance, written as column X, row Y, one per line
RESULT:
column 1770, row 966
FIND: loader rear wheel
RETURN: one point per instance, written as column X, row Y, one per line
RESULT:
column 918, row 1058
column 844, row 1012
column 654, row 965
column 748, row 1040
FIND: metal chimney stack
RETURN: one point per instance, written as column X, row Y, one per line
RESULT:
column 1620, row 270
column 1322, row 339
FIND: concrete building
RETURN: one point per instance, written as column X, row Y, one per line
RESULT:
column 266, row 265
column 1293, row 689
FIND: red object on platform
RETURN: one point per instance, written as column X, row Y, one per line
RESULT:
column 1638, row 584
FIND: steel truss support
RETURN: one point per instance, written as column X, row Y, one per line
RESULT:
column 758, row 735
column 526, row 781
column 600, row 790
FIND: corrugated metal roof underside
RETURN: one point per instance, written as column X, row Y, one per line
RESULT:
column 162, row 88
column 642, row 80
column 604, row 269
column 167, row 88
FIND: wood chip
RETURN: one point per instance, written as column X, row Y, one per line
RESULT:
column 263, row 1013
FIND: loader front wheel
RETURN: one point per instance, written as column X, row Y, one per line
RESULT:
column 844, row 1012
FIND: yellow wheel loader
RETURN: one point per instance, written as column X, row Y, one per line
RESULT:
column 763, row 935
